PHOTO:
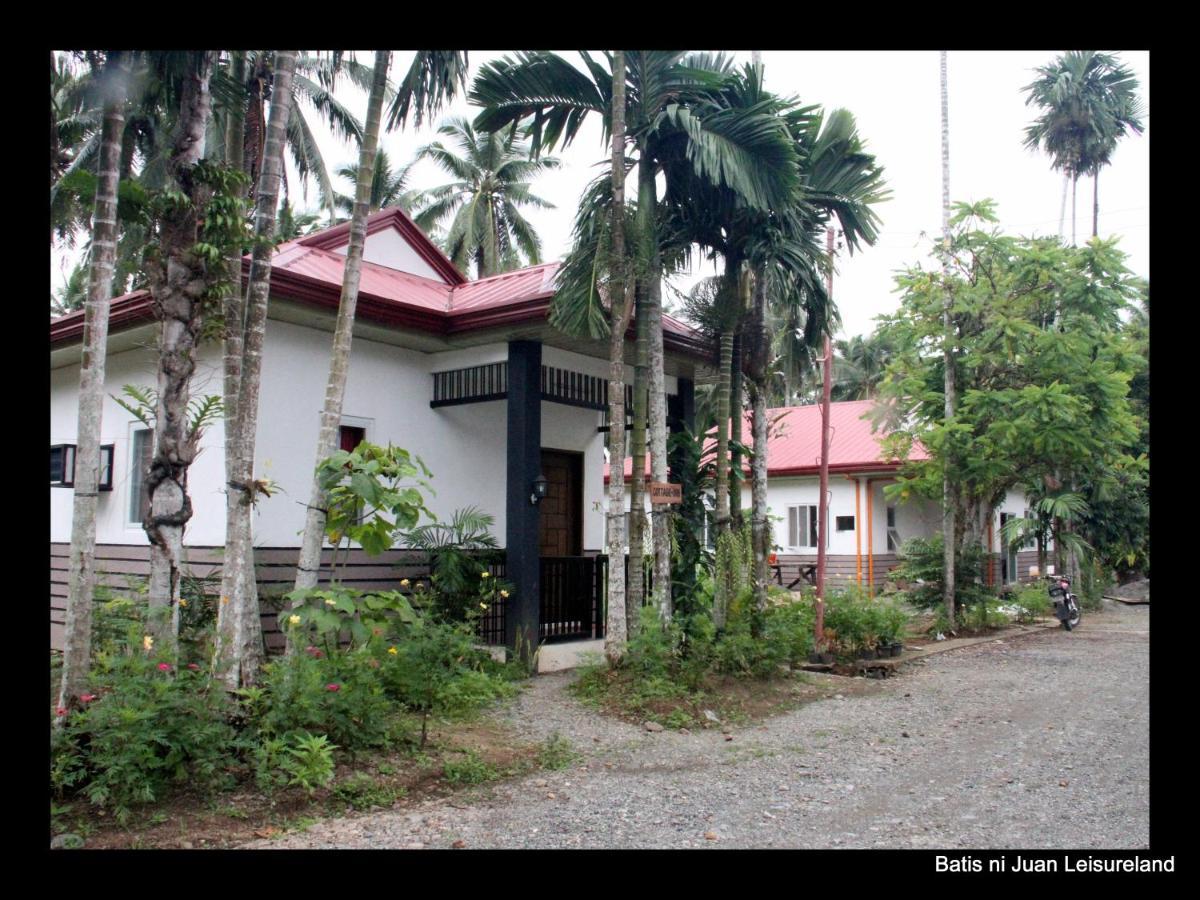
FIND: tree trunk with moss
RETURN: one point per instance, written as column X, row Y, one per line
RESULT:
column 238, row 651
column 720, row 595
column 339, row 364
column 759, row 359
column 179, row 285
column 636, row 588
column 82, row 577
column 948, row 498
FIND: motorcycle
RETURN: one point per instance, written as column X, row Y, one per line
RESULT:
column 1066, row 604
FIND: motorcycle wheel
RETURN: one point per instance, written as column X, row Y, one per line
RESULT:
column 1072, row 622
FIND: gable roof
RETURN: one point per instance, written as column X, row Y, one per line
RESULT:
column 309, row 270
column 397, row 219
column 794, row 441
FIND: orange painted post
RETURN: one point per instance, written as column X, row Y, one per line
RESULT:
column 857, row 532
column 870, row 543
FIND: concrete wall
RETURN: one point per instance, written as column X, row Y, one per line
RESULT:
column 388, row 390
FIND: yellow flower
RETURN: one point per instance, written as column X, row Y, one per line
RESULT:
column 293, row 620
column 148, row 642
column 182, row 602
column 483, row 606
column 404, row 582
column 420, row 585
column 393, row 651
column 504, row 593
column 224, row 600
column 486, row 575
column 329, row 601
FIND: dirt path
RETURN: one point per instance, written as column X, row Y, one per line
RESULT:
column 1036, row 741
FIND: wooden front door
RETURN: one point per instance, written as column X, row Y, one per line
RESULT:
column 561, row 529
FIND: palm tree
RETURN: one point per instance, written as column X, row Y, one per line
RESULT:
column 861, row 362
column 77, row 649
column 670, row 118
column 1088, row 101
column 238, row 646
column 434, row 77
column 494, row 174
column 388, row 188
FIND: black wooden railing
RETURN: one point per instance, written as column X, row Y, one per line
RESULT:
column 573, row 594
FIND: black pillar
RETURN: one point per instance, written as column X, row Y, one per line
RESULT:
column 522, row 518
column 681, row 413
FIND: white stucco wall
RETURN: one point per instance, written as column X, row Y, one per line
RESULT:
column 388, row 390
column 388, row 248
column 138, row 367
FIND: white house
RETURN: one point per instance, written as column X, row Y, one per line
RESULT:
column 866, row 529
column 468, row 375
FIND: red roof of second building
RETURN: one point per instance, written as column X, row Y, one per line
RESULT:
column 794, row 440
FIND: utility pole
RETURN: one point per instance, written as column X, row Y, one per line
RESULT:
column 823, row 507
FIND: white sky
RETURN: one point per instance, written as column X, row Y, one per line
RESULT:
column 895, row 98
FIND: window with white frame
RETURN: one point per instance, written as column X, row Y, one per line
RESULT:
column 802, row 525
column 893, row 534
column 142, row 447
column 62, row 466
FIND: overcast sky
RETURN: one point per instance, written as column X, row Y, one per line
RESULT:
column 895, row 98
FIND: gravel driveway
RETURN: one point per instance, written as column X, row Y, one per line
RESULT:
column 1039, row 741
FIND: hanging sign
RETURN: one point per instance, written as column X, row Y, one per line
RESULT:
column 664, row 492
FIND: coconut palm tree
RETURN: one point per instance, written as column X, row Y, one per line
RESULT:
column 82, row 581
column 434, row 77
column 1088, row 101
column 388, row 188
column 494, row 174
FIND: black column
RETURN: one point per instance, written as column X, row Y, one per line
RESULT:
column 681, row 412
column 522, row 518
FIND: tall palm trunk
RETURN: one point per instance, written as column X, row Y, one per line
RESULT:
column 636, row 589
column 1096, row 203
column 1062, row 209
column 1074, row 207
column 760, row 528
column 178, row 285
column 661, row 513
column 949, row 537
column 720, row 593
column 82, row 583
column 339, row 363
column 736, row 414
column 615, row 627
column 238, row 652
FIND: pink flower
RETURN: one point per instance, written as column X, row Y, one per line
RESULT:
column 333, row 687
column 60, row 711
column 164, row 667
column 313, row 652
column 193, row 667
column 87, row 698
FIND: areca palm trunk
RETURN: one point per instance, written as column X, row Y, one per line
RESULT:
column 720, row 593
column 1062, row 210
column 238, row 651
column 949, row 537
column 339, row 364
column 615, row 633
column 82, row 583
column 637, row 491
column 760, row 346
column 661, row 514
column 1096, row 203
column 178, row 285
column 736, row 405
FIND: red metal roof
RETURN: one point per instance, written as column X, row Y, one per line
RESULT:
column 310, row 270
column 794, row 441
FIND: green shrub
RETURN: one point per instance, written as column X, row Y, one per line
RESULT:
column 295, row 759
column 341, row 695
column 556, row 752
column 921, row 567
column 1032, row 603
column 438, row 669
column 144, row 726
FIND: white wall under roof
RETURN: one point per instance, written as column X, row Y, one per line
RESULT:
column 389, row 248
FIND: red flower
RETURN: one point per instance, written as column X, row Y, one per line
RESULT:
column 60, row 711
column 333, row 687
column 313, row 652
column 87, row 698
column 164, row 667
column 193, row 667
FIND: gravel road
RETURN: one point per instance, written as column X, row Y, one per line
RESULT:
column 1037, row 741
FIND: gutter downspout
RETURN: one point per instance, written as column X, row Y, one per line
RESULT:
column 857, row 532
